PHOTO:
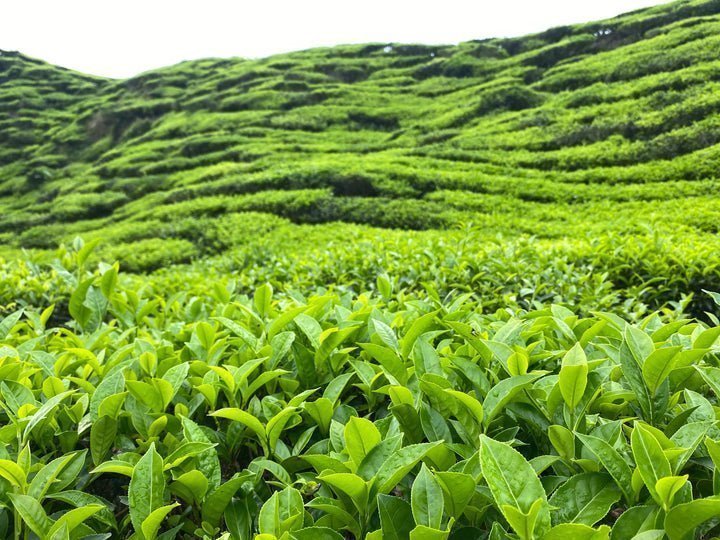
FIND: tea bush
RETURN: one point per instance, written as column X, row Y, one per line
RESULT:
column 397, row 413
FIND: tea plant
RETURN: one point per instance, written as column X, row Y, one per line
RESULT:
column 341, row 415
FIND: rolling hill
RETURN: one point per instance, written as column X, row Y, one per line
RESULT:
column 606, row 132
column 377, row 292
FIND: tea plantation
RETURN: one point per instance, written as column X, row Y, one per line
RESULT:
column 387, row 291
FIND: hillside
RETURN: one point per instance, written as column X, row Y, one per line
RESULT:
column 578, row 137
column 392, row 135
column 378, row 292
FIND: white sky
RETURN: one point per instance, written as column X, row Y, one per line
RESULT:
column 123, row 38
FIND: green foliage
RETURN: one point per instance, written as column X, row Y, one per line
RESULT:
column 377, row 291
column 401, row 414
column 524, row 134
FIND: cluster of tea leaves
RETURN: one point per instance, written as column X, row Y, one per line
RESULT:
column 395, row 414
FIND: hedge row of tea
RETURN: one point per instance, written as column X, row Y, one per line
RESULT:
column 516, row 134
column 627, row 274
column 400, row 413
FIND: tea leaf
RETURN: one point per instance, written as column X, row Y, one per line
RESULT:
column 147, row 487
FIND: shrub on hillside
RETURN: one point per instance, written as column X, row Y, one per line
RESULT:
column 76, row 206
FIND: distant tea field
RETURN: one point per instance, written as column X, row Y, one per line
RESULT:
column 384, row 291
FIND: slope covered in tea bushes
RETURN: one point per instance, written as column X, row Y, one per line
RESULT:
column 616, row 121
column 579, row 136
column 382, row 292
